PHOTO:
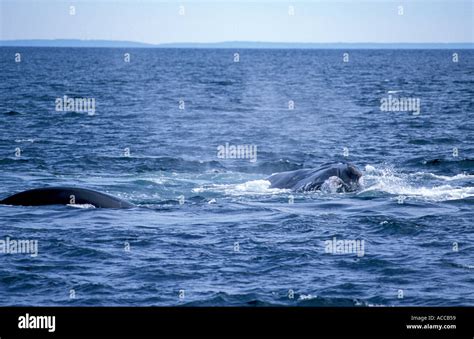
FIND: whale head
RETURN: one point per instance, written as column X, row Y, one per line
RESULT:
column 350, row 175
column 337, row 177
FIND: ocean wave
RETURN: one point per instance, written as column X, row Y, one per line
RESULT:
column 25, row 140
column 257, row 299
column 461, row 176
column 443, row 161
column 12, row 113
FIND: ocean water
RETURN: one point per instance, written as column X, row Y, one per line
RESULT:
column 209, row 231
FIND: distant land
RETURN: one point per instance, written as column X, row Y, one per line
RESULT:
column 230, row 44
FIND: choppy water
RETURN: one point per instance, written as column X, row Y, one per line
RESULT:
column 234, row 241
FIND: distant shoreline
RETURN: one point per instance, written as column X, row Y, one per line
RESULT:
column 229, row 45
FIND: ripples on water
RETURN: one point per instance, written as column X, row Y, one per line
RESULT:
column 234, row 241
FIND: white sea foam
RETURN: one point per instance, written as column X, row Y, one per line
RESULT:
column 387, row 180
column 253, row 187
column 461, row 176
column 25, row 140
column 470, row 267
column 307, row 297
column 81, row 205
column 383, row 179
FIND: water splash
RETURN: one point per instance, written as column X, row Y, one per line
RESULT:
column 418, row 185
column 252, row 187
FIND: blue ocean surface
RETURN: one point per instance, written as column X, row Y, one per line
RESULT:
column 207, row 230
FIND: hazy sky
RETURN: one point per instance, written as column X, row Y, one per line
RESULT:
column 216, row 21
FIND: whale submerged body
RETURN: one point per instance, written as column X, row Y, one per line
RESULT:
column 343, row 176
column 65, row 196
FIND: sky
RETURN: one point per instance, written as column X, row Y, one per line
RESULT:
column 323, row 21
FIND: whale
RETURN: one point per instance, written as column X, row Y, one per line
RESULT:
column 342, row 176
column 65, row 196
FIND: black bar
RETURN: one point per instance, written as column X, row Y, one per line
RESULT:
column 235, row 321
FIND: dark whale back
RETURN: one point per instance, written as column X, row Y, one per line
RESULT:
column 65, row 196
column 313, row 179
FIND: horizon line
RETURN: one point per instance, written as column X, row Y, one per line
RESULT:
column 219, row 44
